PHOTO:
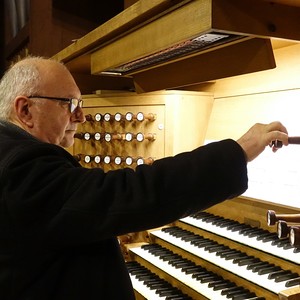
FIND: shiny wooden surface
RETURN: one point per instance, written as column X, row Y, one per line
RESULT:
column 132, row 16
column 140, row 30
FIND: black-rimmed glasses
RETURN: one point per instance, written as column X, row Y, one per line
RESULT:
column 73, row 102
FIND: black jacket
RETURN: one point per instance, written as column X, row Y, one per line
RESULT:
column 59, row 221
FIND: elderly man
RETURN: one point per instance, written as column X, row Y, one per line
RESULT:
column 59, row 221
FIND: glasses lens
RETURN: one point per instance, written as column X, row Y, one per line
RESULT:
column 75, row 103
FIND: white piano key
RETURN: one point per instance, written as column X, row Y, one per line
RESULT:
column 287, row 254
column 140, row 284
column 228, row 265
column 143, row 289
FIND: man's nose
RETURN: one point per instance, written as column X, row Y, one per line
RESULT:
column 78, row 115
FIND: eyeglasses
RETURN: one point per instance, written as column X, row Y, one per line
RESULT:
column 73, row 102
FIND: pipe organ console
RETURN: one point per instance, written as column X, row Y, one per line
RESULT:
column 229, row 251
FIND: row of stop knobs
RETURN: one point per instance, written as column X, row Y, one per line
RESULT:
column 108, row 137
column 119, row 117
column 288, row 226
column 117, row 160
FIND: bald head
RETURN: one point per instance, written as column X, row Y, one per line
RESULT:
column 26, row 77
column 25, row 90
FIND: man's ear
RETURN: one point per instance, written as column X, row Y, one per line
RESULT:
column 22, row 109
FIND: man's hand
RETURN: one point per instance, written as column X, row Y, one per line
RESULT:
column 259, row 136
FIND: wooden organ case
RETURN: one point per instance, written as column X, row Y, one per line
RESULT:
column 228, row 251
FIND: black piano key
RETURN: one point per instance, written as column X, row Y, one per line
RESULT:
column 157, row 285
column 178, row 234
column 233, row 224
column 281, row 278
column 220, row 221
column 172, row 230
column 217, row 249
column 280, row 242
column 269, row 237
column 200, row 215
column 236, row 227
column 152, row 282
column 228, row 224
column 224, row 285
column 257, row 233
column 168, row 291
column 231, row 256
column 176, row 259
column 215, row 282
column 293, row 282
column 209, row 218
column 171, row 292
column 180, row 265
column 209, row 278
column 143, row 277
column 157, row 252
column 192, row 269
column 197, row 274
column 252, row 265
column 147, row 246
column 138, row 271
column 206, row 279
column 241, row 261
column 230, row 290
column 245, row 295
column 162, row 289
column 272, row 239
column 175, row 263
column 214, row 220
column 133, row 265
column 268, row 270
column 214, row 248
column 218, row 281
column 224, row 251
column 189, row 238
column 187, row 234
column 288, row 246
column 277, row 273
column 168, row 257
column 202, row 244
column 161, row 253
column 178, row 298
column 247, row 262
column 262, row 266
column 165, row 256
column 253, row 233
column 296, row 250
column 238, row 291
column 200, row 275
column 246, row 230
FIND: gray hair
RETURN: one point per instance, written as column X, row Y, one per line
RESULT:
column 21, row 79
